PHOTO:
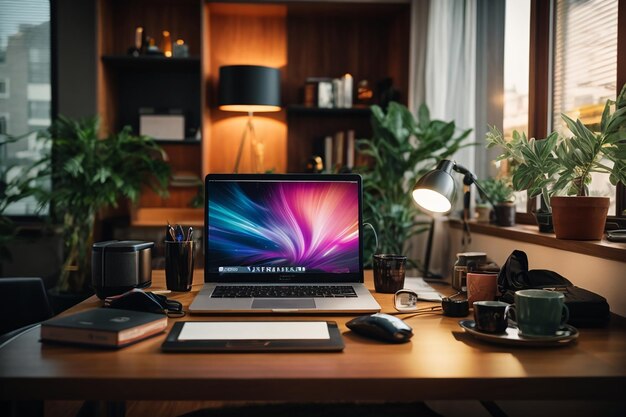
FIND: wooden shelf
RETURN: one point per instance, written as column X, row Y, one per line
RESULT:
column 146, row 62
column 530, row 234
column 188, row 141
column 300, row 109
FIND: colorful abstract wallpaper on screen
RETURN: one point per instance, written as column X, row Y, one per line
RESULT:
column 298, row 226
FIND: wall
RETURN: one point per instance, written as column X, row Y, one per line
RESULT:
column 602, row 276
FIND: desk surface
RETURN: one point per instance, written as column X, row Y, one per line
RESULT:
column 441, row 362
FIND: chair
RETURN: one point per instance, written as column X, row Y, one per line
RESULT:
column 24, row 302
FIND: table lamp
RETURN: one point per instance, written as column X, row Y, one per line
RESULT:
column 436, row 190
column 251, row 89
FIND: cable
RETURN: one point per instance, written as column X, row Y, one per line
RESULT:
column 375, row 235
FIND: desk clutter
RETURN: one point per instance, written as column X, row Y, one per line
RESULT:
column 515, row 306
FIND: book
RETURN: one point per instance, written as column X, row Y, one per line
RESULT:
column 109, row 327
column 338, row 151
column 350, row 150
column 328, row 154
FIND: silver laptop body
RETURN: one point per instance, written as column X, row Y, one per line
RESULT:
column 283, row 243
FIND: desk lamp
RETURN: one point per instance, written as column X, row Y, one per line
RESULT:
column 251, row 89
column 435, row 191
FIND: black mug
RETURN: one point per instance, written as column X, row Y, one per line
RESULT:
column 179, row 260
column 389, row 271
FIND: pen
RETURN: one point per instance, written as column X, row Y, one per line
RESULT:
column 180, row 235
column 169, row 232
column 189, row 234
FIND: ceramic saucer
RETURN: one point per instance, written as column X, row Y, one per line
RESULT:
column 511, row 336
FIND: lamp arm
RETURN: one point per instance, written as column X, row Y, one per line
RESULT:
column 462, row 170
column 483, row 193
column 469, row 179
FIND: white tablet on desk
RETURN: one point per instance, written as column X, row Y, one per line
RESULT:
column 253, row 336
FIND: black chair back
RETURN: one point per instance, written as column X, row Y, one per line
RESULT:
column 23, row 301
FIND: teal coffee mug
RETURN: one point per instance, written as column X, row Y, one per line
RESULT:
column 538, row 313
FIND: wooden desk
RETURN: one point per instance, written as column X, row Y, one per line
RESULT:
column 441, row 362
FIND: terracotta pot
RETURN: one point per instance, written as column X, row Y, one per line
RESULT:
column 483, row 214
column 579, row 218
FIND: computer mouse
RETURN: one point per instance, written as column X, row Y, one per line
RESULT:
column 382, row 327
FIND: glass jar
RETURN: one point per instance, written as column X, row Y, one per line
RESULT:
column 463, row 261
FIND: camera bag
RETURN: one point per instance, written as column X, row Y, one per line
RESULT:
column 586, row 308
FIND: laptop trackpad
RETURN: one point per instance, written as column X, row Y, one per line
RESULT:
column 286, row 303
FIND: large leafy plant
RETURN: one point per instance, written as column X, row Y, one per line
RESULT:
column 401, row 150
column 89, row 173
column 588, row 150
column 535, row 162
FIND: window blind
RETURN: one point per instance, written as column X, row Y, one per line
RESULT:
column 585, row 59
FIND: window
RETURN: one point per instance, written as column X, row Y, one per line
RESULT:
column 39, row 109
column 585, row 69
column 39, row 61
column 516, row 67
column 25, row 107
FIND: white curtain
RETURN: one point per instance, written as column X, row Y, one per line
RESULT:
column 451, row 67
column 448, row 75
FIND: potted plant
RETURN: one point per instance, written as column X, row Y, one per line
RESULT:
column 535, row 168
column 591, row 149
column 401, row 150
column 89, row 173
column 483, row 210
column 501, row 193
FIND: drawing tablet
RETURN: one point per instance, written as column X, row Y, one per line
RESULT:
column 253, row 336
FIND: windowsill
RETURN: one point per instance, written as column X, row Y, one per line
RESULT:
column 530, row 234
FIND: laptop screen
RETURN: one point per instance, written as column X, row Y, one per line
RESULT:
column 276, row 228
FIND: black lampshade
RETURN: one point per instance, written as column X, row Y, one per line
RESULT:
column 249, row 88
column 435, row 191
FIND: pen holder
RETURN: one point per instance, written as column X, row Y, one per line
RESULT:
column 179, row 259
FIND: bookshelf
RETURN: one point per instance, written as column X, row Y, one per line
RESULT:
column 369, row 40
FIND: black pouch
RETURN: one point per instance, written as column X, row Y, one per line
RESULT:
column 586, row 308
column 139, row 300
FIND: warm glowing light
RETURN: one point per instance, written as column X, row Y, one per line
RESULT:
column 180, row 42
column 247, row 108
column 166, row 44
column 431, row 200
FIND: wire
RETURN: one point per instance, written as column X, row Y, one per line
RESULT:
column 375, row 235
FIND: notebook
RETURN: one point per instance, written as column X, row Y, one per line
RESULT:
column 286, row 243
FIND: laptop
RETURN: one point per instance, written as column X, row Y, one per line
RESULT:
column 285, row 243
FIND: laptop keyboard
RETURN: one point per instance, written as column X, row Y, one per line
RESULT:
column 283, row 291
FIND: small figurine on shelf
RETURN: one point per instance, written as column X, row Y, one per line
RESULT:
column 386, row 92
column 152, row 48
column 364, row 92
column 180, row 50
column 315, row 164
column 140, row 43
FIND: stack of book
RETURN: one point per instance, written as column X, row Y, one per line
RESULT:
column 184, row 179
column 328, row 92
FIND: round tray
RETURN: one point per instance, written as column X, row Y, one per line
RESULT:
column 564, row 335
